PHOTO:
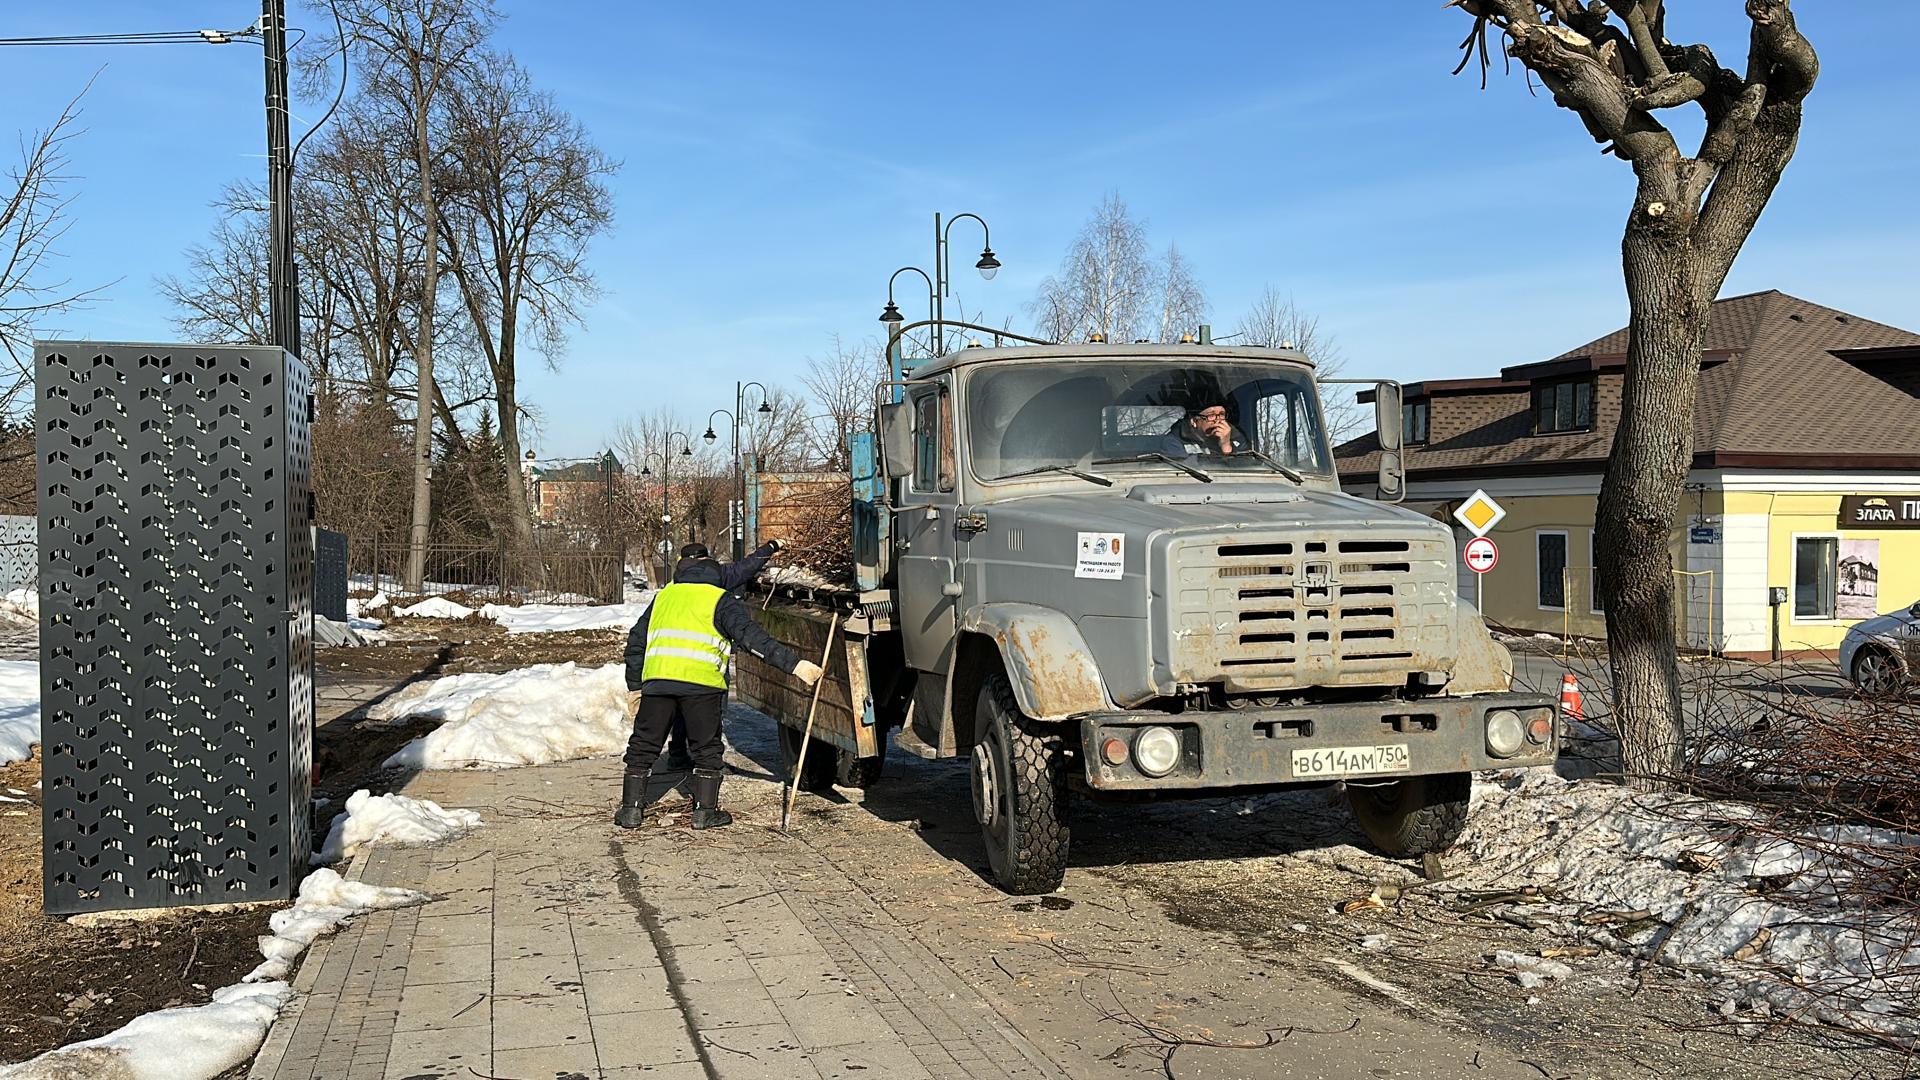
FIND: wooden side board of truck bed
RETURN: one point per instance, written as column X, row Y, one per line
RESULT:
column 846, row 715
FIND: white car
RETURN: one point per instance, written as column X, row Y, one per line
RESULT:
column 1882, row 654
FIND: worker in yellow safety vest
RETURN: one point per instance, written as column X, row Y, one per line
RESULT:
column 677, row 657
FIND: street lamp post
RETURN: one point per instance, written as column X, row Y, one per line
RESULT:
column 988, row 265
column 737, row 416
column 890, row 315
column 665, row 454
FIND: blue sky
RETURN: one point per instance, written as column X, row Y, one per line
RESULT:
column 780, row 160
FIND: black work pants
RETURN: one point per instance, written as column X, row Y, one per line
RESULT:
column 656, row 714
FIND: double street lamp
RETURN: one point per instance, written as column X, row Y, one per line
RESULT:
column 665, row 454
column 942, row 286
column 738, row 417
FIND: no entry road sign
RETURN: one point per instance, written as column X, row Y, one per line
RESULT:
column 1481, row 554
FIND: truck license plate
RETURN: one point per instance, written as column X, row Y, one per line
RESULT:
column 1350, row 761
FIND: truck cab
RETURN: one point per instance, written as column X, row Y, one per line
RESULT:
column 1076, row 574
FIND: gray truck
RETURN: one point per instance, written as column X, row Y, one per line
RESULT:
column 1066, row 577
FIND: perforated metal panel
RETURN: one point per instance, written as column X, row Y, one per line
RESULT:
column 176, row 584
column 330, row 574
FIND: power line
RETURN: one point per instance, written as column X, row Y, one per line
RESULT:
column 161, row 37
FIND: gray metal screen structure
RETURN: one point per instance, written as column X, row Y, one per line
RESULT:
column 330, row 574
column 176, row 585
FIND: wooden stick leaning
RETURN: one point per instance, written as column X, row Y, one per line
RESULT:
column 800, row 759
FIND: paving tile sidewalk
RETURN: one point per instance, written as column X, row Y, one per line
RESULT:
column 565, row 949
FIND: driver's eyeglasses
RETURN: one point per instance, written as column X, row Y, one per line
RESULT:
column 1211, row 414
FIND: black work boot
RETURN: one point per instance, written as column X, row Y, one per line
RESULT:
column 706, row 800
column 633, row 801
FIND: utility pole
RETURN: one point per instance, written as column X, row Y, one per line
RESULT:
column 283, row 293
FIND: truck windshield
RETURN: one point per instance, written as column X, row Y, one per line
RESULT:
column 1218, row 415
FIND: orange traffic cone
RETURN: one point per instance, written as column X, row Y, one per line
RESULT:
column 1570, row 696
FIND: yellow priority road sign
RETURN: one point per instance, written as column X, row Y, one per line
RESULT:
column 1479, row 513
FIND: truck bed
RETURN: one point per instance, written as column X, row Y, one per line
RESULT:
column 846, row 714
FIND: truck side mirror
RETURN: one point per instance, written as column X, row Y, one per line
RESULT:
column 896, row 438
column 1392, row 476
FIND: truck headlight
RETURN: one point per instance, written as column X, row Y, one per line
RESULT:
column 1156, row 750
column 1505, row 733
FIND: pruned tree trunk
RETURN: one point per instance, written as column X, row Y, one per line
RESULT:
column 1614, row 65
column 1646, row 475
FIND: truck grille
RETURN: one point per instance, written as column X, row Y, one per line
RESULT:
column 1261, row 615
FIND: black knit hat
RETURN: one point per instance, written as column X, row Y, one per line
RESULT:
column 695, row 551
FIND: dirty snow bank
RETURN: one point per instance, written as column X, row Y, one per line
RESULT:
column 326, row 902
column 560, row 618
column 1777, row 920
column 192, row 1043
column 436, row 607
column 373, row 820
column 531, row 716
column 19, row 709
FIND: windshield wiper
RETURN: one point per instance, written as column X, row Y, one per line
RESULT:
column 1274, row 465
column 1091, row 478
column 1155, row 456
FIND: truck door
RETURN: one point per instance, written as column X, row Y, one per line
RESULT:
column 924, row 537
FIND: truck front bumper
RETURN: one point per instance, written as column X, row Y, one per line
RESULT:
column 1374, row 741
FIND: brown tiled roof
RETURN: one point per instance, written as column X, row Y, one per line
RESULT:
column 1789, row 388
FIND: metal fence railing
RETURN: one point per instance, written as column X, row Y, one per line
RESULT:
column 552, row 572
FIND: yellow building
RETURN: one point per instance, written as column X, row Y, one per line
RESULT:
column 1803, row 503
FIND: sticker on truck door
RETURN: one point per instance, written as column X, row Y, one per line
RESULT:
column 1099, row 557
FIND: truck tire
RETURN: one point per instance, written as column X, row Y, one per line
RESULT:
column 851, row 771
column 1415, row 816
column 1019, row 783
column 818, row 776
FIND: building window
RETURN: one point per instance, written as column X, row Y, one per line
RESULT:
column 1563, row 406
column 1551, row 551
column 1815, row 560
column 1413, row 422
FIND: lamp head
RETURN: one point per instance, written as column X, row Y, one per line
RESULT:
column 710, row 436
column 764, row 407
column 891, row 315
column 988, row 265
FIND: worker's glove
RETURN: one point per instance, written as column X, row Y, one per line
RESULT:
column 807, row 672
column 776, row 546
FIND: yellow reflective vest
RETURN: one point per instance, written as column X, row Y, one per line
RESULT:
column 682, row 642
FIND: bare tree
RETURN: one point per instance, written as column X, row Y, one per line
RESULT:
column 1183, row 303
column 33, row 218
column 1106, row 284
column 1613, row 65
column 409, row 50
column 1276, row 322
column 841, row 383
column 523, row 195
column 224, row 295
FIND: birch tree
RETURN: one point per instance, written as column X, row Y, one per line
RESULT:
column 1614, row 66
column 1274, row 321
column 1183, row 303
column 1106, row 283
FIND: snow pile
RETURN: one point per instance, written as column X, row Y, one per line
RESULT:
column 560, row 618
column 24, row 603
column 392, row 819
column 1778, row 918
column 436, row 607
column 1529, row 971
column 326, row 902
column 357, row 608
column 19, row 709
column 194, row 1043
column 531, row 716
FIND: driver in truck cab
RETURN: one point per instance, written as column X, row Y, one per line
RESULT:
column 1206, row 430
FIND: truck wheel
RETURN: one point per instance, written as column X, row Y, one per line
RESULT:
column 818, row 776
column 856, row 772
column 1019, row 793
column 1414, row 816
